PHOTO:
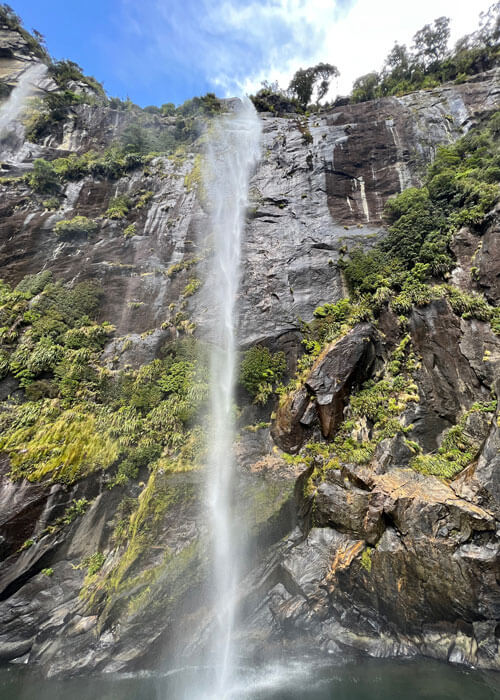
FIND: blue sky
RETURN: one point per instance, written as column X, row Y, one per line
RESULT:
column 157, row 51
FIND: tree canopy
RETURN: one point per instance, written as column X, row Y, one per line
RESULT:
column 306, row 80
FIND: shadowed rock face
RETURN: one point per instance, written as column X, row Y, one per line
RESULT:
column 381, row 559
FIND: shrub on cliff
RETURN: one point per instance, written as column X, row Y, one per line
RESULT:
column 64, row 72
column 259, row 370
column 43, row 178
column 76, row 226
column 118, row 207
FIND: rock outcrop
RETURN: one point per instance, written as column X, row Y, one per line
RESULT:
column 340, row 366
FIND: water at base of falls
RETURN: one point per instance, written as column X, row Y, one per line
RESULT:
column 231, row 153
column 367, row 679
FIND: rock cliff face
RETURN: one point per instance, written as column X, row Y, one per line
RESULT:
column 375, row 557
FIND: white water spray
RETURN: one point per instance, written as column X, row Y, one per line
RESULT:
column 12, row 109
column 232, row 152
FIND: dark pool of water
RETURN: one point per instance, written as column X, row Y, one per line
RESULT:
column 365, row 680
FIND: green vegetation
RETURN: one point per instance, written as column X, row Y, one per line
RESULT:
column 191, row 287
column 458, row 449
column 303, row 127
column 181, row 266
column 43, row 178
column 49, row 111
column 331, row 322
column 78, row 417
column 150, row 134
column 378, row 406
column 52, row 203
column 144, row 199
column 130, row 231
column 94, row 563
column 65, row 72
column 194, row 179
column 427, row 64
column 272, row 98
column 366, row 558
column 260, row 370
column 306, row 80
column 118, row 207
column 76, row 226
column 47, row 572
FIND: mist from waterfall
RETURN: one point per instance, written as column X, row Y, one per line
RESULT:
column 232, row 151
column 11, row 127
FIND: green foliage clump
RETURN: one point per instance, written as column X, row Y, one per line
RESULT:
column 47, row 572
column 260, row 370
column 366, row 558
column 303, row 127
column 378, row 406
column 99, row 420
column 51, row 204
column 66, row 445
column 31, row 285
column 374, row 413
column 180, row 266
column 64, row 72
column 112, row 164
column 458, row 449
column 94, row 563
column 469, row 305
column 144, row 199
column 336, row 313
column 306, row 80
column 191, row 287
column 118, row 207
column 56, row 105
column 130, row 231
column 76, row 508
column 331, row 321
column 43, row 178
column 271, row 98
column 78, row 225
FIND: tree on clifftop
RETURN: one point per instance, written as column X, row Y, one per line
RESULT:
column 306, row 79
column 431, row 42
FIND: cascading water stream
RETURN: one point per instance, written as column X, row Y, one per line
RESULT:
column 11, row 128
column 232, row 152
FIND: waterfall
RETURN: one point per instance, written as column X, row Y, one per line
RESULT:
column 11, row 128
column 232, row 152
